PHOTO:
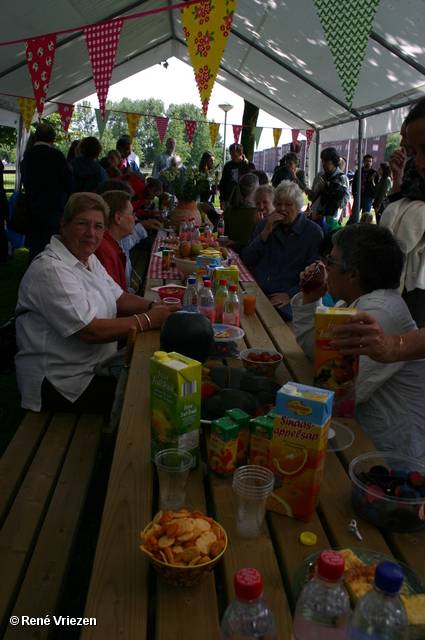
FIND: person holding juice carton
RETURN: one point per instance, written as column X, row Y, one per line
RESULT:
column 363, row 271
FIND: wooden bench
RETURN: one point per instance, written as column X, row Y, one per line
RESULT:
column 44, row 478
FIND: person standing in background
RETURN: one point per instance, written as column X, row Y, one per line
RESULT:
column 366, row 189
column 162, row 161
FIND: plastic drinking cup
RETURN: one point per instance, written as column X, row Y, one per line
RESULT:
column 173, row 471
column 249, row 300
column 252, row 485
column 171, row 301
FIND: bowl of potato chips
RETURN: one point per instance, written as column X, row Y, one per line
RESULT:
column 183, row 546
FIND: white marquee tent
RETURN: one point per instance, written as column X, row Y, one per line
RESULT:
column 276, row 57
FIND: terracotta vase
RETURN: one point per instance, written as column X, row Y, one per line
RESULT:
column 184, row 210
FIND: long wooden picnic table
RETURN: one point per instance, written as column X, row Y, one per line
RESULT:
column 127, row 598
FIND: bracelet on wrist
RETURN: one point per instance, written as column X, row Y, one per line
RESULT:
column 147, row 319
column 150, row 305
column 138, row 321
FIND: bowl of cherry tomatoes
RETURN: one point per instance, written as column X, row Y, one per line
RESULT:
column 265, row 361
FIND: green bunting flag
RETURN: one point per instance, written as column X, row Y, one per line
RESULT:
column 347, row 25
column 257, row 134
column 101, row 124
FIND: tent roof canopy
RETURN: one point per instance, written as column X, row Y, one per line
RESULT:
column 276, row 57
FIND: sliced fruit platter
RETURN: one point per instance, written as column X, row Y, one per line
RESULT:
column 231, row 388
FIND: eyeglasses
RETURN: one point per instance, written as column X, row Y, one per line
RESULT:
column 85, row 225
column 331, row 260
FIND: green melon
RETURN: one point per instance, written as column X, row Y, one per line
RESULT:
column 190, row 334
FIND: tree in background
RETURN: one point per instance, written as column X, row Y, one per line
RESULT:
column 249, row 118
column 393, row 143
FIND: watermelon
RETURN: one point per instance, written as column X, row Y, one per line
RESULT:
column 187, row 333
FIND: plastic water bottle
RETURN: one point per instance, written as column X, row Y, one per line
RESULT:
column 196, row 235
column 190, row 298
column 220, row 227
column 323, row 608
column 220, row 296
column 231, row 307
column 381, row 613
column 248, row 615
column 206, row 304
column 183, row 230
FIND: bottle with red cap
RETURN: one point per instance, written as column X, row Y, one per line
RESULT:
column 323, row 608
column 231, row 307
column 248, row 616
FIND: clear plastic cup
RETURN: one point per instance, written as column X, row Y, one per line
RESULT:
column 252, row 485
column 249, row 300
column 173, row 471
column 171, row 301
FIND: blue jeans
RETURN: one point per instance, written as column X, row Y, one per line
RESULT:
column 365, row 207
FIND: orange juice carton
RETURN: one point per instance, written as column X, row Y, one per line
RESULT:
column 223, row 450
column 243, row 420
column 332, row 370
column 298, row 448
column 261, row 441
column 230, row 273
column 175, row 402
column 203, row 264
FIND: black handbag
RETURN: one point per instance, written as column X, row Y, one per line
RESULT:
column 8, row 348
column 19, row 220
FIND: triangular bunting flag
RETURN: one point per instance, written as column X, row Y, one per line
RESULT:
column 162, row 124
column 295, row 134
column 27, row 107
column 237, row 128
column 257, row 135
column 214, row 127
column 101, row 120
column 132, row 122
column 102, row 42
column 40, row 54
column 347, row 25
column 309, row 135
column 190, row 129
column 276, row 136
column 206, row 27
column 65, row 111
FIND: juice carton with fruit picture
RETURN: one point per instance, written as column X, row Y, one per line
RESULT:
column 223, row 451
column 332, row 370
column 298, row 448
column 261, row 441
column 243, row 420
column 175, row 403
column 204, row 263
column 230, row 273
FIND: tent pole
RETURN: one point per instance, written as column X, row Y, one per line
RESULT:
column 20, row 148
column 356, row 211
column 317, row 154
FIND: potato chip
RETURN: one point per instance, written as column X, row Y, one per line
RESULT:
column 165, row 541
column 157, row 517
column 203, row 525
column 190, row 554
column 169, row 555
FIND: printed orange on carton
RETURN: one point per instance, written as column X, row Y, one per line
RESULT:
column 223, row 451
column 298, row 448
column 331, row 369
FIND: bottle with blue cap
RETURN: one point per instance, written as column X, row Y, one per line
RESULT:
column 380, row 614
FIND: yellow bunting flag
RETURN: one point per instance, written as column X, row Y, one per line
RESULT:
column 132, row 121
column 27, row 107
column 276, row 136
column 214, row 127
column 206, row 27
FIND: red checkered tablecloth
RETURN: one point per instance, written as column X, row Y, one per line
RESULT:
column 155, row 266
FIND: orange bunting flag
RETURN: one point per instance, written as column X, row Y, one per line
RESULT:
column 295, row 133
column 65, row 111
column 27, row 107
column 132, row 122
column 276, row 136
column 102, row 43
column 237, row 128
column 206, row 27
column 309, row 135
column 40, row 53
column 162, row 124
column 190, row 129
column 214, row 127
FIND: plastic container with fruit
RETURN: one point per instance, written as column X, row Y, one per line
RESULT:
column 264, row 360
column 227, row 341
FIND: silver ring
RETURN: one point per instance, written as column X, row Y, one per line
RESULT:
column 361, row 343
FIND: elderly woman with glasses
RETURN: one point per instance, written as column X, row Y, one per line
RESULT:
column 363, row 272
column 70, row 315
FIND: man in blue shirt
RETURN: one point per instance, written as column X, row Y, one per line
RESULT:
column 282, row 246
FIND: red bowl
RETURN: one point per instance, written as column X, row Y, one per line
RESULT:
column 171, row 291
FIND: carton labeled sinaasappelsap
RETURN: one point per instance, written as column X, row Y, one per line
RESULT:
column 175, row 402
column 332, row 370
column 298, row 448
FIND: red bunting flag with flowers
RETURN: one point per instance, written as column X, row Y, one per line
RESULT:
column 309, row 135
column 40, row 53
column 102, row 42
column 27, row 107
column 190, row 129
column 214, row 127
column 162, row 124
column 206, row 26
column 132, row 122
column 65, row 111
column 237, row 128
column 295, row 133
column 276, row 136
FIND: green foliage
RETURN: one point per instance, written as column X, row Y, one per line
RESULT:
column 8, row 136
column 393, row 143
column 188, row 184
column 250, row 117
